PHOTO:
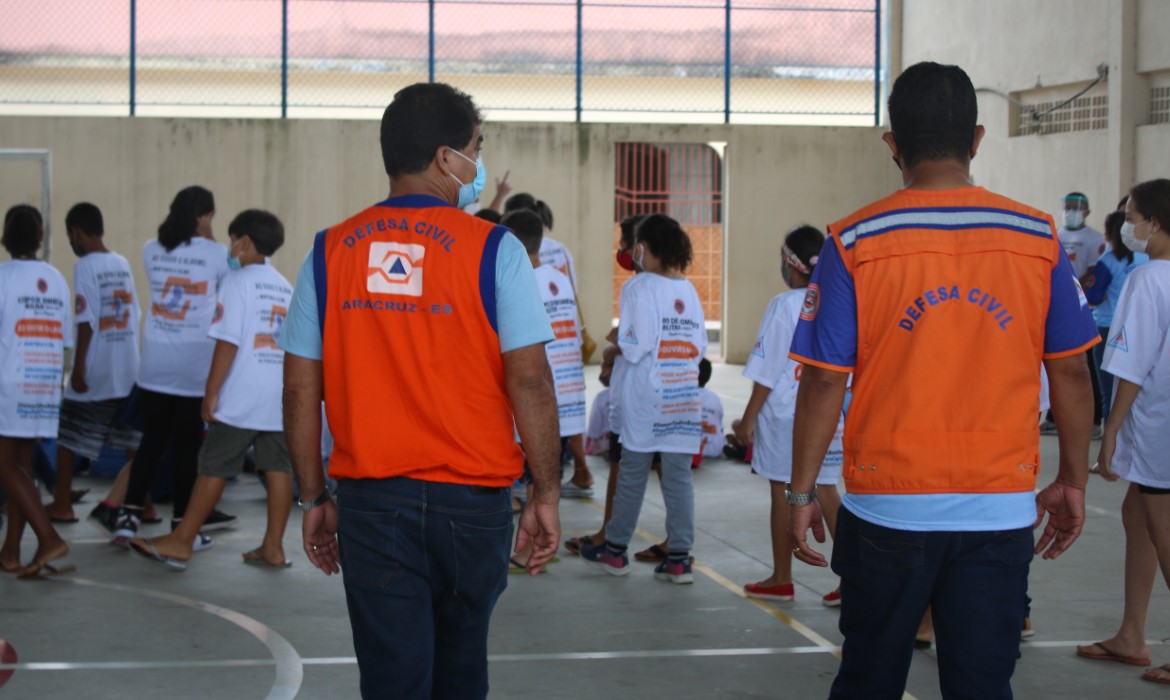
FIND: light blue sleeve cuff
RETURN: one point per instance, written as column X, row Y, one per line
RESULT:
column 520, row 314
column 301, row 334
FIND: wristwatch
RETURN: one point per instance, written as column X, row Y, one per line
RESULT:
column 318, row 501
column 799, row 499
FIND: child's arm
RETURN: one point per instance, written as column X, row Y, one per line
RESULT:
column 221, row 362
column 1127, row 391
column 745, row 429
column 84, row 336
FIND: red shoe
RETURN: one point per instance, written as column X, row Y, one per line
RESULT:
column 755, row 590
column 833, row 599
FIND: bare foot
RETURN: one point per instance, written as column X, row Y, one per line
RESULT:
column 46, row 553
column 1114, row 649
column 60, row 511
column 169, row 546
column 1161, row 674
column 9, row 561
column 582, row 477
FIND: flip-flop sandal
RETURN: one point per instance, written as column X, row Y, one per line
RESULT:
column 1109, row 655
column 77, row 494
column 152, row 554
column 46, row 570
column 254, row 559
column 652, row 554
column 1165, row 668
column 516, row 567
column 573, row 544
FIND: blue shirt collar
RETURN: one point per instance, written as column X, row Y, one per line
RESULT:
column 414, row 201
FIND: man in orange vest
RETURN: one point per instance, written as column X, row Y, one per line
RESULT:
column 942, row 299
column 423, row 330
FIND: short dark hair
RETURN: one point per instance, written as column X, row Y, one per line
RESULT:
column 422, row 118
column 1113, row 222
column 704, row 371
column 933, row 113
column 265, row 230
column 86, row 217
column 180, row 225
column 628, row 226
column 666, row 239
column 1151, row 199
column 806, row 242
column 23, row 228
column 528, row 228
column 489, row 215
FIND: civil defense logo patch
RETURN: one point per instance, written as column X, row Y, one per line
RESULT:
column 395, row 268
column 812, row 302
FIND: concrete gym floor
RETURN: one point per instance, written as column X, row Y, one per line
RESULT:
column 122, row 626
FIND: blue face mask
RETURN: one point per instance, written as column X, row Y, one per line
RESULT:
column 470, row 192
column 233, row 261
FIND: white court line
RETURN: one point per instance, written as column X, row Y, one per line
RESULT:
column 289, row 671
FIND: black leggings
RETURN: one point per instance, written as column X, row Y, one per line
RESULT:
column 167, row 420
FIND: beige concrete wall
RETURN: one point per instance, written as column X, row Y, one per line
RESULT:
column 1011, row 46
column 314, row 172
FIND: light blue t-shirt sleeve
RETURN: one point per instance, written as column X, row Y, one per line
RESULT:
column 520, row 314
column 301, row 334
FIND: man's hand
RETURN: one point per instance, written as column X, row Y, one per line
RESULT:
column 1065, row 505
column 540, row 526
column 319, row 531
column 800, row 519
column 77, row 381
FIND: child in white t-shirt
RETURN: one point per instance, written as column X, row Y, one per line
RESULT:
column 34, row 332
column 242, row 401
column 767, row 421
column 712, row 417
column 662, row 335
column 1136, row 438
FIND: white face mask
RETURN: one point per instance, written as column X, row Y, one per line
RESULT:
column 1130, row 239
column 1074, row 219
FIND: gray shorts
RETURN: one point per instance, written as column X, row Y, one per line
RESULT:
column 87, row 425
column 224, row 448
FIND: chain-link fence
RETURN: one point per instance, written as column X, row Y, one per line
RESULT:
column 734, row 61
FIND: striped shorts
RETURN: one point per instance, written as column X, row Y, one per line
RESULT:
column 88, row 425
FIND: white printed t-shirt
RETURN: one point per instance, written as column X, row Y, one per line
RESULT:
column 1083, row 246
column 104, row 297
column 250, row 313
column 553, row 252
column 564, row 352
column 176, row 352
column 712, row 420
column 34, row 332
column 1138, row 351
column 769, row 365
column 662, row 335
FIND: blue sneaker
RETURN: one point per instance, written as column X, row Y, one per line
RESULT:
column 598, row 555
column 675, row 571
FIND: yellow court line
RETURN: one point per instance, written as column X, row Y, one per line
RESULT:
column 794, row 624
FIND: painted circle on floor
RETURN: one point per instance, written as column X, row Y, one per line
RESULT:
column 7, row 657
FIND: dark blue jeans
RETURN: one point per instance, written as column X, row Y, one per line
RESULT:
column 423, row 565
column 975, row 582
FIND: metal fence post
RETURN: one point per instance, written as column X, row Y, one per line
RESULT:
column 284, row 59
column 877, row 62
column 431, row 41
column 133, row 51
column 580, row 55
column 727, row 62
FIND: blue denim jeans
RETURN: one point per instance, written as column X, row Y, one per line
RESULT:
column 678, row 493
column 975, row 583
column 423, row 564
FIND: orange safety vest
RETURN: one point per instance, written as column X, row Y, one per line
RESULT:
column 952, row 293
column 414, row 379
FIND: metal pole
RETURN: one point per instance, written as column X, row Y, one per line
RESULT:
column 47, row 201
column 877, row 62
column 133, row 52
column 284, row 59
column 580, row 55
column 727, row 62
column 431, row 41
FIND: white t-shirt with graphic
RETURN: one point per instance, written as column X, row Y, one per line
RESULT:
column 712, row 419
column 1084, row 247
column 1138, row 351
column 251, row 309
column 769, row 365
column 564, row 352
column 34, row 331
column 104, row 297
column 176, row 352
column 662, row 335
column 553, row 252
